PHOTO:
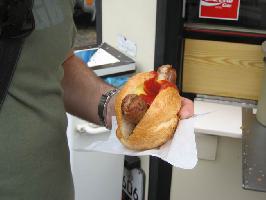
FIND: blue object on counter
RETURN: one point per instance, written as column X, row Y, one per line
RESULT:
column 116, row 81
column 86, row 54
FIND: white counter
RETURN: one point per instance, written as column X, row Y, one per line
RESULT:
column 218, row 119
column 218, row 174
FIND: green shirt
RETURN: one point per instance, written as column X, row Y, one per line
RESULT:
column 34, row 156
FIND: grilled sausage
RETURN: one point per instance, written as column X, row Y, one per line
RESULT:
column 133, row 108
column 166, row 72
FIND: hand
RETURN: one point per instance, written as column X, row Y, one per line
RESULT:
column 187, row 108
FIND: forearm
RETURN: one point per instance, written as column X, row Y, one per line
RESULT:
column 82, row 90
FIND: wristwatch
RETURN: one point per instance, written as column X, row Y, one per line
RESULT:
column 102, row 106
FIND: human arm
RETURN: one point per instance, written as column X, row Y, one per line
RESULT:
column 83, row 90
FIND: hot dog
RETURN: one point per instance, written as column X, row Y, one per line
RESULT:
column 146, row 109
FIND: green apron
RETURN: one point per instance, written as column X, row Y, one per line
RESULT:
column 34, row 155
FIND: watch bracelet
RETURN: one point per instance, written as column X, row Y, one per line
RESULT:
column 102, row 106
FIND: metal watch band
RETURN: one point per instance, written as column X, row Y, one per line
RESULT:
column 102, row 106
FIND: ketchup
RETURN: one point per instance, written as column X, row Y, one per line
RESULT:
column 147, row 98
column 152, row 87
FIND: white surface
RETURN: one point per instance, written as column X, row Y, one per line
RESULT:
column 222, row 120
column 96, row 176
column 180, row 151
column 135, row 20
column 116, row 69
column 126, row 46
column 90, row 128
column 101, row 57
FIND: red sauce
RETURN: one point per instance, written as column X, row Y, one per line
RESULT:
column 147, row 98
column 152, row 87
column 154, row 74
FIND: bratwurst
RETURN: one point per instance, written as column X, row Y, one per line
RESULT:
column 134, row 106
column 166, row 72
column 147, row 109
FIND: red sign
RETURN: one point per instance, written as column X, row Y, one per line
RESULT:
column 219, row 9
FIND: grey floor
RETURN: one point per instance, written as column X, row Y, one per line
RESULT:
column 85, row 37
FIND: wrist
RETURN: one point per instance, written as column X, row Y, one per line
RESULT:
column 105, row 107
column 110, row 112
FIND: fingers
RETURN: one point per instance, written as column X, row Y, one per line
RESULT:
column 187, row 108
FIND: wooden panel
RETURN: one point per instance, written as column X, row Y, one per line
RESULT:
column 222, row 68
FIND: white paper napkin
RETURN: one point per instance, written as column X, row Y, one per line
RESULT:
column 180, row 152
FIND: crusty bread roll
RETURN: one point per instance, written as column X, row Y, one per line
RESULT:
column 159, row 122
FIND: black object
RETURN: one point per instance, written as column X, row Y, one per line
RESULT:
column 254, row 152
column 133, row 187
column 16, row 23
column 169, row 40
column 224, row 35
column 160, row 178
column 251, row 15
column 82, row 19
column 169, row 46
column 132, row 162
column 247, row 29
column 16, row 18
column 98, row 5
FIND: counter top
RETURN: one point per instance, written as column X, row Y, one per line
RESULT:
column 218, row 119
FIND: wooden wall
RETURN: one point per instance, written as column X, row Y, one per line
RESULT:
column 222, row 68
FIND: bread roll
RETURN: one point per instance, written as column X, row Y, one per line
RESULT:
column 158, row 123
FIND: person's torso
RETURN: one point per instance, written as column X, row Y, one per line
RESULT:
column 33, row 143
